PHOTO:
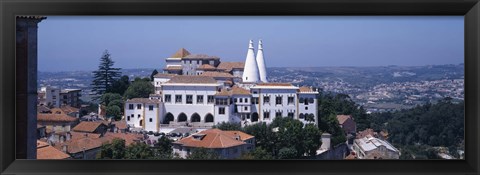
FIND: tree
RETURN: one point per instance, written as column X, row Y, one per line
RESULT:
column 114, row 111
column 114, row 150
column 114, row 105
column 203, row 154
column 139, row 151
column 155, row 72
column 259, row 154
column 120, row 86
column 139, row 89
column 163, row 149
column 105, row 75
column 227, row 126
column 106, row 98
column 287, row 153
column 312, row 139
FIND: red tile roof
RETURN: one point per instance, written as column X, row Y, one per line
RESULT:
column 87, row 126
column 228, row 66
column 214, row 138
column 342, row 118
column 173, row 68
column 122, row 124
column 217, row 74
column 143, row 100
column 206, row 67
column 129, row 138
column 45, row 151
column 55, row 118
column 192, row 79
column 180, row 53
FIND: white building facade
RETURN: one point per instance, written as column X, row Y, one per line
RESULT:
column 217, row 93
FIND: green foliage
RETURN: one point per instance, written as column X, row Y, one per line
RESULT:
column 104, row 77
column 288, row 153
column 119, row 86
column 114, row 111
column 155, row 72
column 203, row 154
column 140, row 88
column 227, row 126
column 285, row 133
column 163, row 149
column 108, row 97
column 330, row 125
column 114, row 150
column 258, row 154
column 139, row 151
column 341, row 104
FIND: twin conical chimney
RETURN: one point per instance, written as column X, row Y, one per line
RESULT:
column 262, row 70
column 250, row 71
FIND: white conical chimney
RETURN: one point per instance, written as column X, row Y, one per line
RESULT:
column 262, row 69
column 250, row 71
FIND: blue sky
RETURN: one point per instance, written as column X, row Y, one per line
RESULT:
column 77, row 43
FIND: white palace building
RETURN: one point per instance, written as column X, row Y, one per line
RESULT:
column 200, row 91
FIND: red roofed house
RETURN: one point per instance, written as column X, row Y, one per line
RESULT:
column 347, row 124
column 45, row 151
column 91, row 127
column 228, row 144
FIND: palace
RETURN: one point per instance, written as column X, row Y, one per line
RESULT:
column 199, row 90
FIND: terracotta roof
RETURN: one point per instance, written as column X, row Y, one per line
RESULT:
column 192, row 79
column 79, row 135
column 206, row 67
column 69, row 109
column 122, row 124
column 45, row 151
column 224, row 92
column 213, row 138
column 87, row 126
column 180, row 53
column 217, row 74
column 364, row 133
column 142, row 100
column 55, row 118
column 173, row 68
column 43, row 109
column 342, row 118
column 305, row 89
column 243, row 136
column 77, row 145
column 129, row 138
column 274, row 84
column 240, row 91
column 162, row 75
column 228, row 66
column 57, row 111
column 200, row 56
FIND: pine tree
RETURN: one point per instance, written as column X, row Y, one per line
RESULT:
column 105, row 75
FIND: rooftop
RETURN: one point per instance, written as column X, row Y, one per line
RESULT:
column 162, row 75
column 215, row 138
column 217, row 74
column 182, row 52
column 369, row 143
column 200, row 56
column 55, row 118
column 343, row 118
column 228, row 66
column 45, row 151
column 87, row 126
column 192, row 79
column 206, row 67
column 142, row 100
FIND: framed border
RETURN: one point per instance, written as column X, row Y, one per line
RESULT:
column 470, row 9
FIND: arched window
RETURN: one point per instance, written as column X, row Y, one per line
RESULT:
column 301, row 116
column 182, row 117
column 255, row 117
column 141, row 122
column 195, row 118
column 209, row 118
column 168, row 118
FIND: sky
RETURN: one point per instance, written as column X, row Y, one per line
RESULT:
column 71, row 43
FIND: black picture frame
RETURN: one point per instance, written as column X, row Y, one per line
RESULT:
column 11, row 101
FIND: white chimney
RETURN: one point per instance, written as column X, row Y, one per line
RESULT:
column 250, row 71
column 262, row 69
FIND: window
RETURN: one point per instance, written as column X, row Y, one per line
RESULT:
column 198, row 61
column 210, row 99
column 278, row 100
column 221, row 101
column 246, row 108
column 150, row 107
column 130, row 106
column 306, row 107
column 301, row 100
column 255, row 92
column 241, row 100
column 128, row 118
column 235, row 100
column 266, row 114
column 139, row 106
column 189, row 99
column 221, row 110
column 278, row 114
column 246, row 100
column 199, row 99
column 150, row 120
column 290, row 114
column 168, row 98
column 138, row 115
column 310, row 100
column 290, row 100
column 254, row 100
column 266, row 99
column 178, row 98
